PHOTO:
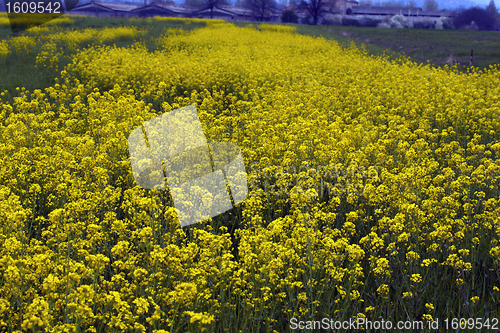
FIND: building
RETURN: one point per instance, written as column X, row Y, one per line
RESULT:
column 240, row 13
column 216, row 13
column 156, row 10
column 340, row 6
column 437, row 14
column 229, row 13
column 110, row 9
column 380, row 12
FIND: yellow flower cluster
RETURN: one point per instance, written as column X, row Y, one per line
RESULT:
column 185, row 20
column 277, row 28
column 51, row 44
column 48, row 56
column 108, row 34
column 374, row 186
column 22, row 45
column 4, row 51
column 4, row 20
column 60, row 20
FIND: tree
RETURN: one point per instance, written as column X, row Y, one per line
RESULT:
column 212, row 4
column 391, row 3
column 193, row 3
column 260, row 8
column 315, row 9
column 482, row 18
column 163, row 2
column 365, row 3
column 411, row 4
column 430, row 5
column 283, row 4
column 206, row 4
column 492, row 9
column 289, row 16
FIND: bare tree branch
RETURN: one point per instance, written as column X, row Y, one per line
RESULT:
column 315, row 8
column 261, row 8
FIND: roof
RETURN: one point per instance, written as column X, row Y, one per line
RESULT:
column 368, row 10
column 384, row 10
column 104, row 6
column 437, row 13
column 90, row 7
column 178, row 9
column 237, row 10
column 153, row 8
column 124, row 7
column 224, row 10
column 216, row 12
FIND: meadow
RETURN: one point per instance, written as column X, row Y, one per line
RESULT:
column 422, row 46
column 373, row 183
column 439, row 47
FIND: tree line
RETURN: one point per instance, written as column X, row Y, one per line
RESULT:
column 475, row 18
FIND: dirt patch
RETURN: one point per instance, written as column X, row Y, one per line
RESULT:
column 451, row 60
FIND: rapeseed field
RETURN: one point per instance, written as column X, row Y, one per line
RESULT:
column 373, row 187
